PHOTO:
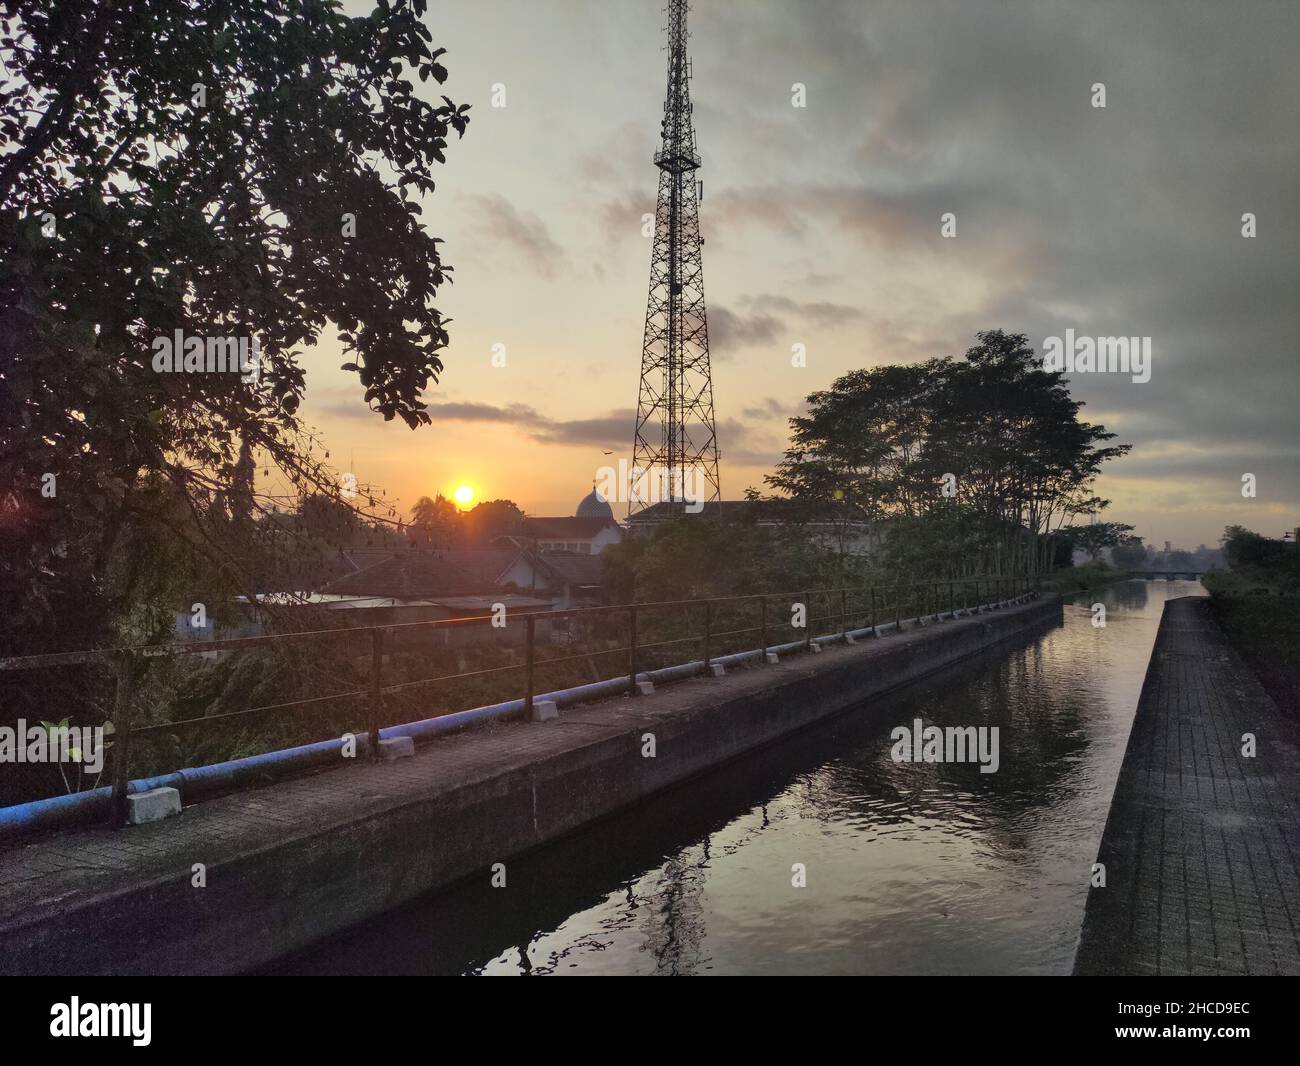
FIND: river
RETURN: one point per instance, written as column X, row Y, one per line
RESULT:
column 910, row 868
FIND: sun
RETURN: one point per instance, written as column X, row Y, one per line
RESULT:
column 464, row 495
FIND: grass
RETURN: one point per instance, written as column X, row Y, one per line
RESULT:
column 1258, row 610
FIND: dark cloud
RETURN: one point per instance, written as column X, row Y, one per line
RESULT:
column 497, row 219
column 1123, row 220
column 729, row 330
column 771, row 408
column 611, row 431
column 820, row 313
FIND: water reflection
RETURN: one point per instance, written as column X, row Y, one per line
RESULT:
column 911, row 868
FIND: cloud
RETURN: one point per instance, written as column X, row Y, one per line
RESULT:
column 729, row 330
column 1115, row 221
column 497, row 219
column 611, row 430
column 770, row 408
column 820, row 313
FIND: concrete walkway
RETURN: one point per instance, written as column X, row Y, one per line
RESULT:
column 1202, row 845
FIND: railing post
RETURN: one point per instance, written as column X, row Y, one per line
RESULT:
column 898, row 608
column 952, row 600
column 872, row 590
column 763, row 600
column 631, row 652
column 807, row 621
column 531, row 624
column 844, row 615
column 123, row 685
column 376, row 685
column 708, row 632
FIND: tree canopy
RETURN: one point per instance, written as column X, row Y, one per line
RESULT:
column 973, row 463
column 250, row 169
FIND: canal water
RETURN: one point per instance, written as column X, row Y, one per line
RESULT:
column 910, row 868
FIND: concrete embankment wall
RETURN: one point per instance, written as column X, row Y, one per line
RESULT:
column 296, row 861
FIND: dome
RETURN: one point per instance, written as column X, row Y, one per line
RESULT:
column 592, row 506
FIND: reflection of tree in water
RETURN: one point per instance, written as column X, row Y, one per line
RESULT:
column 1044, row 735
column 1046, row 731
column 1131, row 595
column 673, row 920
column 670, row 912
column 673, row 923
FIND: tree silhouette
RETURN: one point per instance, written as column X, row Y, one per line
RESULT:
column 248, row 170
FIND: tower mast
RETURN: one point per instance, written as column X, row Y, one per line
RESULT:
column 675, row 445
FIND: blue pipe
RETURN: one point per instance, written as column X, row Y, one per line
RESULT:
column 194, row 783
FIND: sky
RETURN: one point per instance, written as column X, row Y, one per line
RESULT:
column 822, row 227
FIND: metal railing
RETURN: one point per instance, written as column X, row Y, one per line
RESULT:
column 873, row 606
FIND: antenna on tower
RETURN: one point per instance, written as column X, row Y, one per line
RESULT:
column 675, row 440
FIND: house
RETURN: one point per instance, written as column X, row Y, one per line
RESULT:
column 575, row 580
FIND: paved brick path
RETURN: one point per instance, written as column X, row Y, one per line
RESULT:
column 1202, row 845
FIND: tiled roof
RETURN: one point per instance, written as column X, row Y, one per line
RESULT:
column 410, row 575
column 484, row 565
column 573, row 568
column 564, row 528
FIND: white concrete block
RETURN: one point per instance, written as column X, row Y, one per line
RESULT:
column 771, row 658
column 849, row 638
column 396, row 748
column 717, row 670
column 645, row 688
column 815, row 648
column 545, row 710
column 152, row 806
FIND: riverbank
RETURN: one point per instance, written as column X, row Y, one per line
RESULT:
column 1075, row 579
column 1201, row 851
column 285, row 865
column 1259, row 612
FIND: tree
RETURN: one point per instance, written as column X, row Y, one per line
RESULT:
column 435, row 521
column 247, row 170
column 1244, row 549
column 1129, row 554
column 851, row 457
column 1094, row 537
column 490, row 519
column 987, row 455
